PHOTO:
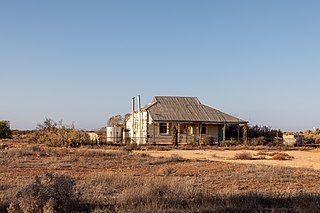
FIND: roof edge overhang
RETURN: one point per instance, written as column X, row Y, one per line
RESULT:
column 202, row 122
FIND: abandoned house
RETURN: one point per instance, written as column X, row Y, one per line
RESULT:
column 178, row 120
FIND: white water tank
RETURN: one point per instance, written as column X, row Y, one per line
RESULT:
column 114, row 134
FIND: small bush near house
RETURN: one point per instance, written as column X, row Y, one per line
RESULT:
column 243, row 156
column 207, row 140
column 50, row 193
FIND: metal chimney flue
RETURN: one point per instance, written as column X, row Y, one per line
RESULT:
column 133, row 103
column 139, row 130
column 139, row 103
column 133, row 126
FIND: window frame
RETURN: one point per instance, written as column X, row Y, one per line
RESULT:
column 163, row 126
column 204, row 127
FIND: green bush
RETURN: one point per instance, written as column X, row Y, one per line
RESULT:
column 5, row 131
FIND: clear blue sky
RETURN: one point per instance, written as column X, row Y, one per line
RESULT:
column 82, row 61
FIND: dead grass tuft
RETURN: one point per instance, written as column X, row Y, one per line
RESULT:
column 282, row 156
column 243, row 156
column 28, row 151
column 168, row 171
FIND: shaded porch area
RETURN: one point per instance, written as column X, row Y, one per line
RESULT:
column 195, row 133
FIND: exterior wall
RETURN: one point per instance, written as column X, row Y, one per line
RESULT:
column 213, row 131
column 138, row 130
column 149, row 131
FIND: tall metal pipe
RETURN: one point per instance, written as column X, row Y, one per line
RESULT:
column 139, row 121
column 132, row 128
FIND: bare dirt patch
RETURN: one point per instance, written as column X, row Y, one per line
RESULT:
column 299, row 158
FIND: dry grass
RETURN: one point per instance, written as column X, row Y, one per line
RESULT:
column 119, row 193
column 168, row 171
column 174, row 158
column 123, row 181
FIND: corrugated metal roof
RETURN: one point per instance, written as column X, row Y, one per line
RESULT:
column 187, row 109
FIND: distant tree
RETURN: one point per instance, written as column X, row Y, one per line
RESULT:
column 127, row 116
column 254, row 132
column 312, row 137
column 5, row 131
column 115, row 120
column 263, row 131
column 48, row 124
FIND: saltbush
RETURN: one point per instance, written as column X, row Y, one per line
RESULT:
column 51, row 193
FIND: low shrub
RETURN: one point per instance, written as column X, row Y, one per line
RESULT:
column 282, row 156
column 275, row 155
column 50, row 193
column 59, row 135
column 28, row 151
column 208, row 141
column 176, row 158
column 168, row 171
column 243, row 156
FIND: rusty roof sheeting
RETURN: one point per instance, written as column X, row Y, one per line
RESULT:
column 187, row 109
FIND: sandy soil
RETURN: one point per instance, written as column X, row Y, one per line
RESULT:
column 302, row 159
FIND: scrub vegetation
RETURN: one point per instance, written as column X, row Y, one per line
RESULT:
column 58, row 134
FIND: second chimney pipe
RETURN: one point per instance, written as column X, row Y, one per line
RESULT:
column 140, row 120
column 132, row 128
